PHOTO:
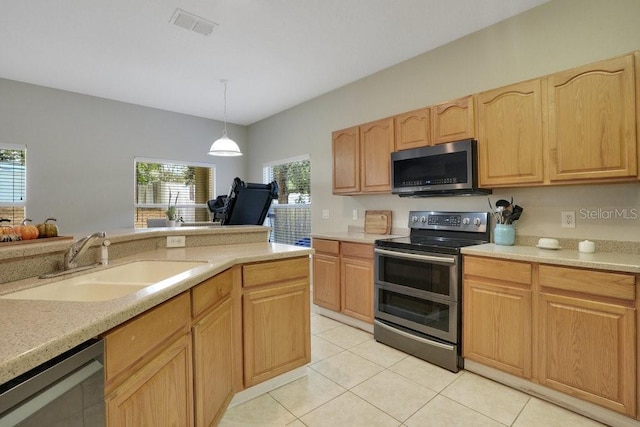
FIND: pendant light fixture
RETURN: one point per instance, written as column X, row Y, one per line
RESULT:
column 224, row 146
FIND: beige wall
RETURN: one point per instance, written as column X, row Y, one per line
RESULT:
column 555, row 36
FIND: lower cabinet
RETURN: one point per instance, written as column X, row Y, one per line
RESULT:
column 497, row 314
column 176, row 364
column 276, row 318
column 585, row 323
column 148, row 376
column 213, row 353
column 343, row 277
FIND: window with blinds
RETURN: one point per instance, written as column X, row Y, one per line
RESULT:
column 13, row 182
column 290, row 215
column 161, row 184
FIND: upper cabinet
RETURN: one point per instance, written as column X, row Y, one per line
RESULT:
column 346, row 161
column 376, row 145
column 577, row 126
column 453, row 120
column 361, row 158
column 510, row 134
column 592, row 121
column 413, row 129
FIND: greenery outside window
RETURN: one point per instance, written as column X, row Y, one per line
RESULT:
column 13, row 182
column 160, row 183
column 290, row 215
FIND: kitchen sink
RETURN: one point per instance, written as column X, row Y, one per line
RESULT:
column 110, row 283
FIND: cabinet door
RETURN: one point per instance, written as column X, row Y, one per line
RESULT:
column 453, row 121
column 376, row 145
column 276, row 330
column 592, row 121
column 357, row 288
column 160, row 394
column 497, row 327
column 587, row 350
column 326, row 281
column 346, row 161
column 412, row 129
column 510, row 135
column 212, row 364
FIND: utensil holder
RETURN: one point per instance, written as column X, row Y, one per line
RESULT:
column 504, row 234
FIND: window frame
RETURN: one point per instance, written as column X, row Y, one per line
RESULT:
column 163, row 206
column 23, row 203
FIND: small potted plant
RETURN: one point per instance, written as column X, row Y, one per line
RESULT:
column 171, row 211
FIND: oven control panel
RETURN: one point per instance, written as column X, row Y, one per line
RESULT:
column 459, row 221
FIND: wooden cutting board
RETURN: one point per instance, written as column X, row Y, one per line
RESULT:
column 377, row 222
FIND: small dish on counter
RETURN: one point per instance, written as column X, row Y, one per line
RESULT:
column 552, row 248
column 546, row 243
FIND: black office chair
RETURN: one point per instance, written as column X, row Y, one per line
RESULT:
column 248, row 203
column 216, row 207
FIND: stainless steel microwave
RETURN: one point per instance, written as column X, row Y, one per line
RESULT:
column 441, row 170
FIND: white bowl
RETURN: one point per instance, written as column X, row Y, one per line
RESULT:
column 547, row 243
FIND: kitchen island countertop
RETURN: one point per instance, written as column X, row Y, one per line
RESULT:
column 35, row 331
column 613, row 261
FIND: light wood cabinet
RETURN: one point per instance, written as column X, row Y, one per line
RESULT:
column 343, row 277
column 376, row 145
column 159, row 394
column 592, row 122
column 587, row 350
column 276, row 318
column 497, row 300
column 453, row 120
column 326, row 274
column 412, row 129
column 213, row 354
column 584, row 323
column 356, row 276
column 346, row 160
column 148, row 368
column 510, row 135
column 588, row 335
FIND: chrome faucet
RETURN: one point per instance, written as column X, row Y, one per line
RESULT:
column 78, row 248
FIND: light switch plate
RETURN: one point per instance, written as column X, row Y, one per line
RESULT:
column 176, row 241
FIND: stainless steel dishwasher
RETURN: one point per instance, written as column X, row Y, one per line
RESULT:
column 67, row 390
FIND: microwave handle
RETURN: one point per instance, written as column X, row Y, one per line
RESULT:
column 416, row 257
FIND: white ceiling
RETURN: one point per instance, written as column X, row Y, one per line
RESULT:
column 274, row 53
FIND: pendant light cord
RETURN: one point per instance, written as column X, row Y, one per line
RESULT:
column 224, row 82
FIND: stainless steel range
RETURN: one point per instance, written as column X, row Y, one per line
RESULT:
column 418, row 285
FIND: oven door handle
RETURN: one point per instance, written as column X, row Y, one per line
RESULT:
column 416, row 257
column 413, row 337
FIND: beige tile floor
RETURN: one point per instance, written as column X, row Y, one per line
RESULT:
column 354, row 381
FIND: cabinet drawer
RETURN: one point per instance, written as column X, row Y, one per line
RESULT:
column 517, row 272
column 358, row 250
column 328, row 246
column 210, row 292
column 134, row 341
column 274, row 271
column 601, row 283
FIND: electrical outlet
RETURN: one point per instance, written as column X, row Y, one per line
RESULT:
column 355, row 214
column 325, row 214
column 176, row 241
column 568, row 219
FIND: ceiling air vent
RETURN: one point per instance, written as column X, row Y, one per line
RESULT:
column 192, row 22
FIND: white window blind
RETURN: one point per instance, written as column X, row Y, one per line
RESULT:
column 13, row 182
column 290, row 215
column 161, row 183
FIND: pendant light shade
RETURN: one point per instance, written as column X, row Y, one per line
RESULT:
column 224, row 146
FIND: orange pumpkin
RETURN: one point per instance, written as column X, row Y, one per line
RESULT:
column 27, row 232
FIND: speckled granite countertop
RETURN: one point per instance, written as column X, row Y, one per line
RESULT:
column 613, row 261
column 35, row 331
